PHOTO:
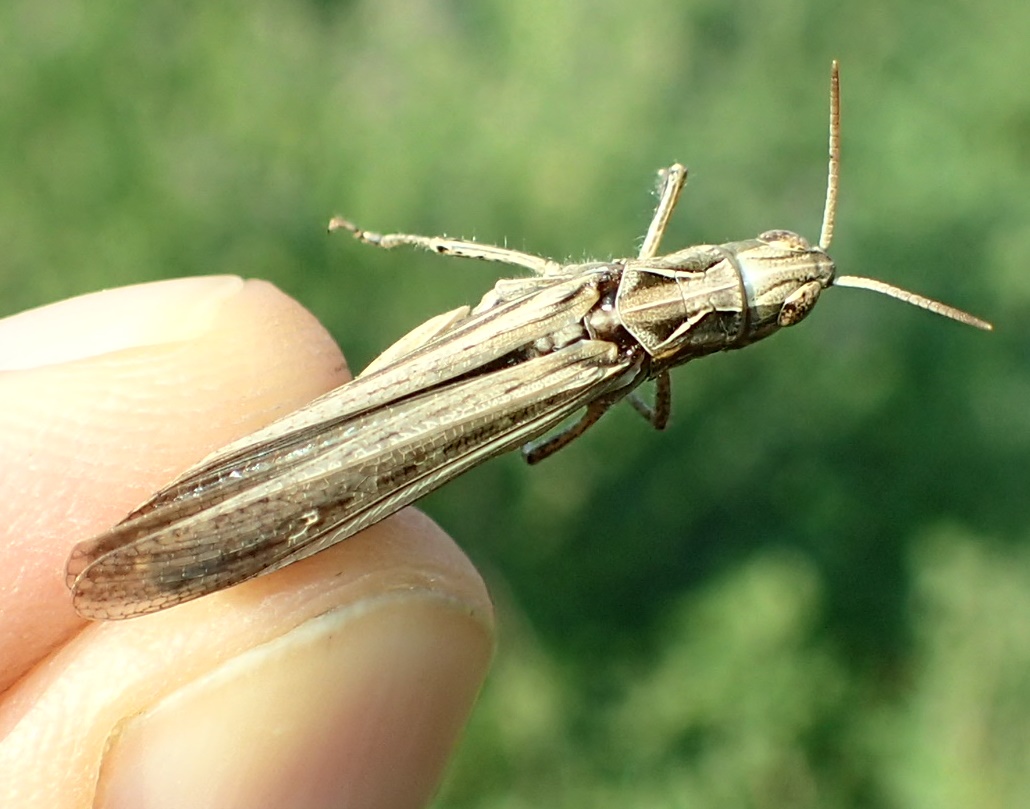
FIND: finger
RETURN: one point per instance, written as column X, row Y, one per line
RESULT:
column 107, row 397
column 422, row 650
column 342, row 680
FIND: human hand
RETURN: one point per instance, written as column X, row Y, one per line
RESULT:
column 342, row 680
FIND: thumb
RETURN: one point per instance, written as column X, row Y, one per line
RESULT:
column 344, row 678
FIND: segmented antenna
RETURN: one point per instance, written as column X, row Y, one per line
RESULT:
column 830, row 215
column 938, row 308
column 833, row 171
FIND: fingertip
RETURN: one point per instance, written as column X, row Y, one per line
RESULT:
column 109, row 396
column 113, row 320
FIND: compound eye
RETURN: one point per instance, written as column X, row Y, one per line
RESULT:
column 799, row 303
column 787, row 239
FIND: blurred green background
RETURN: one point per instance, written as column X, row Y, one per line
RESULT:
column 814, row 589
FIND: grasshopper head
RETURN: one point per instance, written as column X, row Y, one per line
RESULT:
column 783, row 274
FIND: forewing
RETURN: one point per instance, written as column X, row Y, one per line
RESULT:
column 364, row 468
column 315, row 429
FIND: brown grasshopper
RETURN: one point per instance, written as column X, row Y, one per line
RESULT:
column 463, row 387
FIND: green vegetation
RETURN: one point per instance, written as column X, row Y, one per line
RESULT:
column 814, row 589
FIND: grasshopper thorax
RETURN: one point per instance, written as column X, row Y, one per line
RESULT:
column 713, row 297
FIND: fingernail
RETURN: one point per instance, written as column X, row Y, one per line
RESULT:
column 115, row 319
column 357, row 707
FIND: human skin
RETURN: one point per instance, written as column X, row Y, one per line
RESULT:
column 344, row 679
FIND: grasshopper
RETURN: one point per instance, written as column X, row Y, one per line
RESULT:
column 459, row 389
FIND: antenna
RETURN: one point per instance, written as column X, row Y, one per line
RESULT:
column 833, row 171
column 830, row 215
column 938, row 308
